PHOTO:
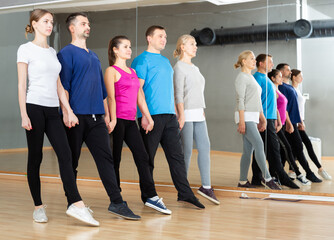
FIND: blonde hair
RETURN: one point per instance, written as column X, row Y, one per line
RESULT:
column 35, row 16
column 243, row 55
column 181, row 41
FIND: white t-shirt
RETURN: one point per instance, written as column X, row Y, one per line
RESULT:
column 249, row 117
column 43, row 72
column 301, row 103
column 194, row 115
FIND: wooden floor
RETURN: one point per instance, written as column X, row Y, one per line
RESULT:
column 224, row 168
column 235, row 218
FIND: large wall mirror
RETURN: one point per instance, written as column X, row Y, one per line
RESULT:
column 215, row 59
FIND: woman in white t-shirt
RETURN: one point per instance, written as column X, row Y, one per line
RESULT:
column 189, row 99
column 296, row 79
column 39, row 92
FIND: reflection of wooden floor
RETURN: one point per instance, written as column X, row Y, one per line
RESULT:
column 235, row 218
column 224, row 168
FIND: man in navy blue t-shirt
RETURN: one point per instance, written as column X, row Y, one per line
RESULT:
column 82, row 78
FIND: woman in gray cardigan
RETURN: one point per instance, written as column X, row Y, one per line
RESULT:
column 250, row 120
column 189, row 98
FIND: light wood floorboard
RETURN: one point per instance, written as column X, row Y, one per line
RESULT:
column 235, row 218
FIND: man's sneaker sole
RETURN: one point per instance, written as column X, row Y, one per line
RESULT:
column 164, row 211
column 207, row 197
column 81, row 220
column 125, row 217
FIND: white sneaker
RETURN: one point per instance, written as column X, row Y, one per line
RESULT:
column 302, row 179
column 82, row 214
column 325, row 175
column 39, row 215
column 292, row 175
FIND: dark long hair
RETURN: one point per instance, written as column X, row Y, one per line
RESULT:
column 273, row 73
column 114, row 42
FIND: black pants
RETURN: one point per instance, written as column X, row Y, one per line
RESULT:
column 297, row 148
column 93, row 131
column 127, row 131
column 47, row 120
column 272, row 148
column 166, row 132
column 286, row 152
column 307, row 142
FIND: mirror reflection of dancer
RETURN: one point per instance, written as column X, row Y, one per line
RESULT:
column 82, row 78
column 39, row 102
column 296, row 79
column 292, row 121
column 156, row 76
column 122, row 86
column 189, row 98
column 249, row 113
column 286, row 152
column 264, row 63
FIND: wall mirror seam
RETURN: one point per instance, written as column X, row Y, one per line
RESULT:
column 279, row 92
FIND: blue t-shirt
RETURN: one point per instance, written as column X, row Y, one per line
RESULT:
column 292, row 108
column 157, row 72
column 268, row 95
column 81, row 75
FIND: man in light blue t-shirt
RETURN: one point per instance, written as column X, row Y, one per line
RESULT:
column 156, row 75
column 264, row 63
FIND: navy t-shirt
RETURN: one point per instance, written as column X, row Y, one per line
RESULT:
column 81, row 75
column 292, row 108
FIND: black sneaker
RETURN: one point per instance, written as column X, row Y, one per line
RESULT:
column 194, row 201
column 271, row 184
column 122, row 210
column 286, row 181
column 256, row 182
column 311, row 176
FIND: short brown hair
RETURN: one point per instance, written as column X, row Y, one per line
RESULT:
column 70, row 19
column 150, row 30
column 261, row 58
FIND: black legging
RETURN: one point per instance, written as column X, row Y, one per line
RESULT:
column 307, row 142
column 297, row 148
column 286, row 152
column 127, row 131
column 47, row 120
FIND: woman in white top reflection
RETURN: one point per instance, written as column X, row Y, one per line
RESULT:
column 297, row 78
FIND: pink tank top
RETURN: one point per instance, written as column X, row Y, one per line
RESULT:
column 126, row 92
column 282, row 102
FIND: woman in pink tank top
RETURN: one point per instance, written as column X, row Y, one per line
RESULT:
column 286, row 152
column 123, row 88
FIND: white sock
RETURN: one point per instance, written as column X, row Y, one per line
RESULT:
column 242, row 182
column 206, row 187
column 155, row 198
column 268, row 179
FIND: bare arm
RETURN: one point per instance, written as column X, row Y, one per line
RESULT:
column 289, row 127
column 143, row 108
column 263, row 122
column 181, row 117
column 279, row 122
column 69, row 118
column 110, row 78
column 22, row 72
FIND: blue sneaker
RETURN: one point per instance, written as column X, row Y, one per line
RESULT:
column 158, row 205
